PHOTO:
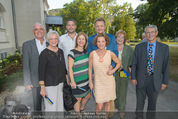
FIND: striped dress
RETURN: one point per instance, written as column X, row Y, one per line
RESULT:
column 80, row 72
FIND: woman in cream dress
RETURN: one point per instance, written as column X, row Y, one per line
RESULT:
column 104, row 81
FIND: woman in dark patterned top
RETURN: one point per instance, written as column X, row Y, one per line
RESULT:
column 52, row 73
column 78, row 72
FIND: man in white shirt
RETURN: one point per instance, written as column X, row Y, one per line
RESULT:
column 67, row 41
column 31, row 51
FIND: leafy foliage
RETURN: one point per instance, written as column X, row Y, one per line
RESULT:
column 83, row 13
column 54, row 12
column 11, row 64
column 162, row 13
column 123, row 20
column 8, row 67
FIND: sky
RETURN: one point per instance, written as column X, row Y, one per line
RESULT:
column 59, row 3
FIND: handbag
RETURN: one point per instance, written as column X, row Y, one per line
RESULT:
column 68, row 99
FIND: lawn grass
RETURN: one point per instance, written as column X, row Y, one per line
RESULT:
column 168, row 43
column 173, row 65
column 171, row 43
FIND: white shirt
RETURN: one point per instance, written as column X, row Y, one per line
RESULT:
column 39, row 46
column 66, row 44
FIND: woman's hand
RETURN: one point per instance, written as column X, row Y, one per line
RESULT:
column 73, row 85
column 120, row 67
column 110, row 72
column 91, row 85
column 43, row 91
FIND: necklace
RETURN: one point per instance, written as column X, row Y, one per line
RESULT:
column 101, row 60
column 102, row 54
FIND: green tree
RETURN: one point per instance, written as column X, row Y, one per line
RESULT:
column 106, row 6
column 94, row 11
column 130, row 24
column 162, row 13
column 123, row 20
column 84, row 13
column 139, row 16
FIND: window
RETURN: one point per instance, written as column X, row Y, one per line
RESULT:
column 3, row 55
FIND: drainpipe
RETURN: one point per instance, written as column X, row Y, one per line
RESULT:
column 15, row 25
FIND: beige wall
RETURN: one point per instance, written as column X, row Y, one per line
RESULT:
column 27, row 13
column 7, row 40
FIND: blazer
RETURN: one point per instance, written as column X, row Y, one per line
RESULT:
column 161, row 65
column 30, row 63
column 112, row 46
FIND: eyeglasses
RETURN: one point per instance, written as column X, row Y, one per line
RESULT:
column 152, row 32
column 40, row 29
column 53, row 39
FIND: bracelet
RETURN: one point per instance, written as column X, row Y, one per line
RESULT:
column 42, row 84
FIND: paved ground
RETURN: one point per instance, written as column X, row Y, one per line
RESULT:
column 167, row 102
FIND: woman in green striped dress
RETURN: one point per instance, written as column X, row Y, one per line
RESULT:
column 78, row 72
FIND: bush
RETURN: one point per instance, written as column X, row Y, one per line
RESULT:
column 11, row 64
column 2, row 82
column 8, row 67
column 135, row 40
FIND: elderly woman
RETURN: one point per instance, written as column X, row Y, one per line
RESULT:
column 52, row 73
column 125, row 56
column 104, row 84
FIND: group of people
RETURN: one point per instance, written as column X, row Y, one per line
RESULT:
column 93, row 64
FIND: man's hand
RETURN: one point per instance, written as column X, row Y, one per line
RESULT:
column 134, row 82
column 29, row 87
column 163, row 86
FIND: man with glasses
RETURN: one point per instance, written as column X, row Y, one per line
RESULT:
column 150, row 71
column 31, row 51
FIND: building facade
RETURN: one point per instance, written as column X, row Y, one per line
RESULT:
column 17, row 18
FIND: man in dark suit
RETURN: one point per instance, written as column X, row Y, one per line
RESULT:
column 31, row 51
column 150, row 71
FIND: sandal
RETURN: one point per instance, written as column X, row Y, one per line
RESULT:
column 83, row 112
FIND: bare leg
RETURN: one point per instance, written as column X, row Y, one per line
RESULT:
column 84, row 101
column 77, row 106
column 99, row 107
column 107, row 108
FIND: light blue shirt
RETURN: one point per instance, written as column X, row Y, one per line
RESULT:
column 154, row 49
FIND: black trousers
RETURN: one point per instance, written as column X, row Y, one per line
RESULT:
column 147, row 90
column 37, row 98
